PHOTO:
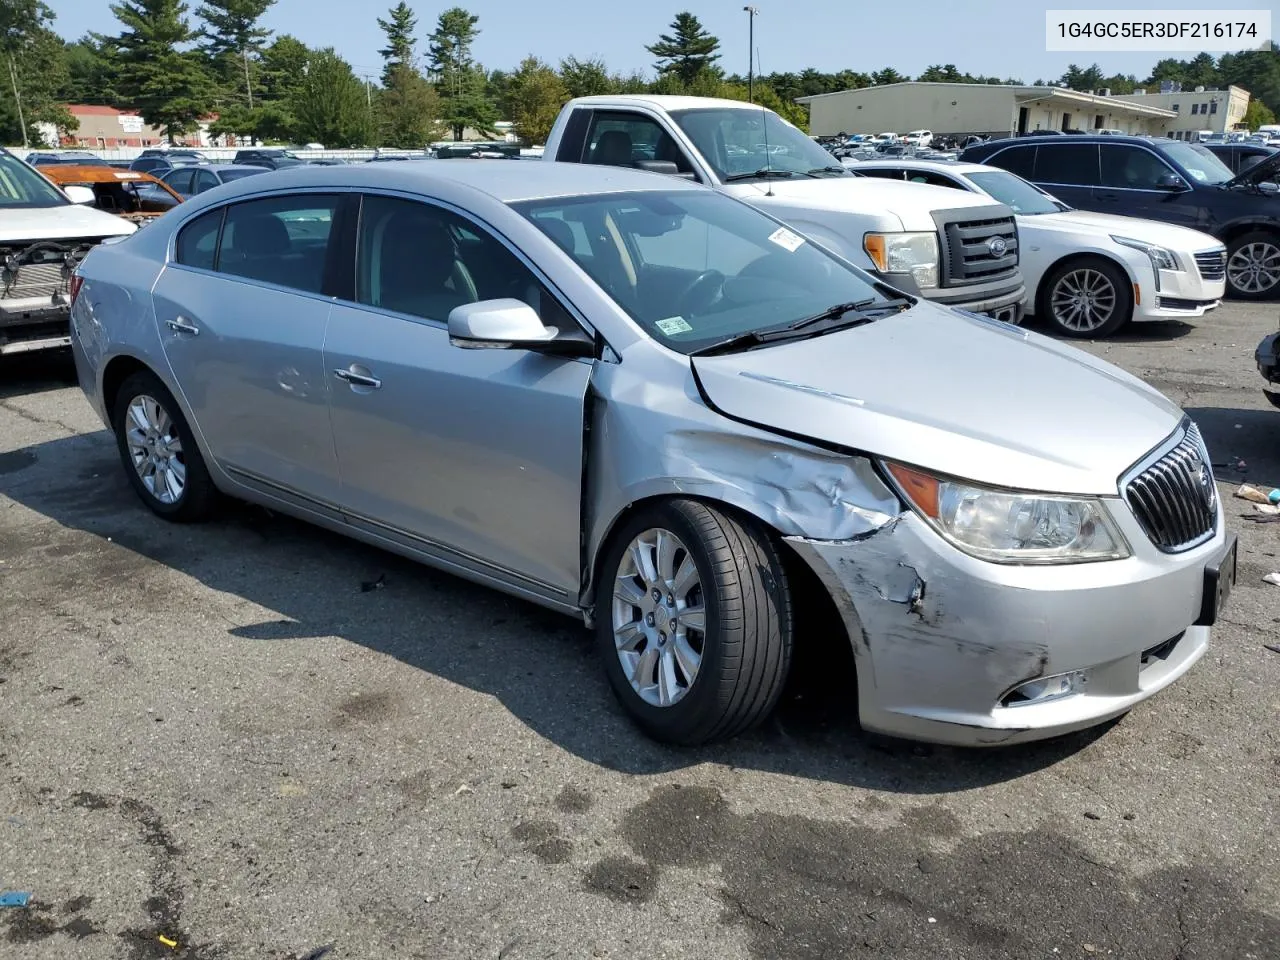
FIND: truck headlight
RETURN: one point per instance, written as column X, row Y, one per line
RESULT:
column 1161, row 257
column 911, row 253
column 1006, row 526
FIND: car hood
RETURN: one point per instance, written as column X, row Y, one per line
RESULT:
column 952, row 393
column 66, row 222
column 1262, row 170
column 909, row 201
column 1109, row 224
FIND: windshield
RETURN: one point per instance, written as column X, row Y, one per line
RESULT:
column 741, row 140
column 22, row 188
column 694, row 268
column 1198, row 161
column 1014, row 192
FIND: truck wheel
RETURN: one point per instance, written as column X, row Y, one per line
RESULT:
column 693, row 620
column 159, row 453
column 1087, row 298
column 1253, row 266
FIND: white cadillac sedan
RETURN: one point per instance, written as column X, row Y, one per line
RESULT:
column 643, row 403
column 1087, row 274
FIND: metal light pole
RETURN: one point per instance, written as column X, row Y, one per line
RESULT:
column 751, row 46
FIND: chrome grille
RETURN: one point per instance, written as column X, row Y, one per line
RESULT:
column 1174, row 497
column 1212, row 264
column 969, row 255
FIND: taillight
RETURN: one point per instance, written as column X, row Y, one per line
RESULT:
column 77, row 282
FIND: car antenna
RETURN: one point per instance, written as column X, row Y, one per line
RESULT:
column 764, row 126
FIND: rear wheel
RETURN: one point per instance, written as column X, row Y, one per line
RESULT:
column 1087, row 298
column 1253, row 266
column 160, row 455
column 694, row 622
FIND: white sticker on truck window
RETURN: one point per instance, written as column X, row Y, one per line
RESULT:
column 673, row 325
column 786, row 239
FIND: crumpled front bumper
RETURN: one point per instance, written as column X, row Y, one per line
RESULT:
column 941, row 638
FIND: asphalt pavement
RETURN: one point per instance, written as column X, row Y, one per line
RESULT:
column 255, row 739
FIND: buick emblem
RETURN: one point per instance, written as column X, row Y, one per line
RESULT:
column 1205, row 478
column 997, row 246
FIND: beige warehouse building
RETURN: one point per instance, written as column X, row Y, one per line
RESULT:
column 986, row 109
column 1219, row 111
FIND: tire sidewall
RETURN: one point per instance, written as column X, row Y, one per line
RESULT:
column 1119, row 280
column 150, row 385
column 700, row 701
column 1255, row 236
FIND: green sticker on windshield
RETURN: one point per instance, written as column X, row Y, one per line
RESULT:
column 673, row 325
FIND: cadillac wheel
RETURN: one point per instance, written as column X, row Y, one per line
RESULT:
column 1087, row 298
column 694, row 621
column 160, row 456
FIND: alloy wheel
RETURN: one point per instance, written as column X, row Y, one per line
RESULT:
column 1254, row 267
column 1084, row 300
column 659, row 620
column 155, row 449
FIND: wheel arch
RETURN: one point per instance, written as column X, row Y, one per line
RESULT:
column 1077, row 256
column 1239, row 228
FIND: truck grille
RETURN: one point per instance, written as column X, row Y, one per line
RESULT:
column 1174, row 497
column 1212, row 264
column 41, row 269
column 978, row 251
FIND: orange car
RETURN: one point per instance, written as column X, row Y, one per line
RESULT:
column 136, row 196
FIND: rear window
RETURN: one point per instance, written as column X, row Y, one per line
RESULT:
column 198, row 241
column 280, row 240
column 1019, row 160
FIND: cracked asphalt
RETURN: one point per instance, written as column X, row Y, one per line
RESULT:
column 214, row 744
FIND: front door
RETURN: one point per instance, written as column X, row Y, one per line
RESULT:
column 474, row 456
column 242, row 319
column 1131, row 185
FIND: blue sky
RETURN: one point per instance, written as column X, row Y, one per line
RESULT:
column 1001, row 37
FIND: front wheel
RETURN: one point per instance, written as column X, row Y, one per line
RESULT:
column 693, row 620
column 1088, row 298
column 1253, row 266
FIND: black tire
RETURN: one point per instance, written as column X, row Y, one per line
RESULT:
column 199, row 496
column 1088, row 269
column 746, row 646
column 1273, row 398
column 1248, row 247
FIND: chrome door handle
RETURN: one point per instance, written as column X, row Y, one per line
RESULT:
column 357, row 379
column 183, row 325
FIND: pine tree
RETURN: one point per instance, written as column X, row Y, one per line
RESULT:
column 408, row 109
column 399, row 29
column 687, row 51
column 462, row 85
column 232, row 40
column 330, row 105
column 168, row 84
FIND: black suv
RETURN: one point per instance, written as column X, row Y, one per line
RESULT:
column 272, row 159
column 1240, row 156
column 1160, row 179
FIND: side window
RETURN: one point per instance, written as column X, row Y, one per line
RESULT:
column 619, row 139
column 205, row 181
column 1132, row 168
column 1074, row 164
column 180, row 180
column 197, row 244
column 422, row 260
column 281, row 240
column 1019, row 160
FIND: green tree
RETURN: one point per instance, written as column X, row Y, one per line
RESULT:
column 232, row 39
column 92, row 71
column 1258, row 71
column 399, row 28
column 1257, row 114
column 20, row 23
column 535, row 95
column 585, row 78
column 408, row 109
column 633, row 82
column 886, row 76
column 39, row 71
column 687, row 50
column 1086, row 78
column 330, row 105
column 471, row 108
column 450, row 50
column 159, row 74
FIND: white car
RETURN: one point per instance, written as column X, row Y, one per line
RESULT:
column 1087, row 274
column 921, row 138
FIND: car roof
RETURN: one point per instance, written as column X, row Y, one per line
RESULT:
column 925, row 163
column 666, row 102
column 92, row 173
column 500, row 179
column 224, row 167
column 1071, row 138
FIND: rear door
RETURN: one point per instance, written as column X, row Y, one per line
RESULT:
column 242, row 311
column 1067, row 170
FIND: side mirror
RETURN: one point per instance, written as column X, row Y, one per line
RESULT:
column 1171, row 182
column 79, row 195
column 510, row 324
column 657, row 166
column 1269, row 187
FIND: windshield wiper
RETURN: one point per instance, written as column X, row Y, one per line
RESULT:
column 828, row 321
column 831, row 169
column 762, row 173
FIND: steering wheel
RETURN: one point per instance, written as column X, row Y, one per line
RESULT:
column 702, row 291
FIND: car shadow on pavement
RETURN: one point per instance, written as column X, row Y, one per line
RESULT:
column 36, row 372
column 1235, row 434
column 1145, row 332
column 541, row 666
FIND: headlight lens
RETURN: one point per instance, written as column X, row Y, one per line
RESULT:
column 1010, row 527
column 1161, row 258
column 913, row 253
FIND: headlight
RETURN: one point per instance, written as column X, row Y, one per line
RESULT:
column 913, row 253
column 1010, row 527
column 1161, row 258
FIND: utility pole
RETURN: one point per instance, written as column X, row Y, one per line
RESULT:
column 751, row 45
column 248, row 87
column 17, row 97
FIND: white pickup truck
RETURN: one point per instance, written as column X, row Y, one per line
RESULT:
column 955, row 249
